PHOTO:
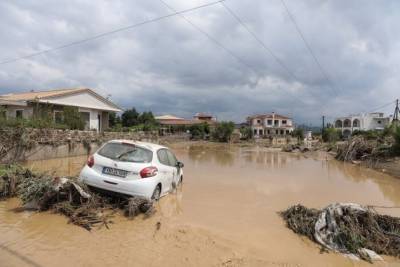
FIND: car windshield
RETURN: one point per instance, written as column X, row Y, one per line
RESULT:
column 126, row 152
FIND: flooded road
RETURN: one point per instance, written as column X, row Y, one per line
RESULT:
column 225, row 214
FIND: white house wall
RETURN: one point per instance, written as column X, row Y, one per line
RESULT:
column 93, row 118
column 85, row 100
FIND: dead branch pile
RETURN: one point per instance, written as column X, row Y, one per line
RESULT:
column 68, row 197
column 358, row 148
column 347, row 228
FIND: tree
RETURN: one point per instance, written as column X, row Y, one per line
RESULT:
column 130, row 117
column 298, row 133
column 72, row 118
column 246, row 132
column 396, row 137
column 223, row 131
column 147, row 118
column 331, row 135
column 199, row 131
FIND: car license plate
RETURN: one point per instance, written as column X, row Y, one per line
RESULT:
column 115, row 172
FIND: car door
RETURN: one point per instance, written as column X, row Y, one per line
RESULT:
column 173, row 163
column 165, row 170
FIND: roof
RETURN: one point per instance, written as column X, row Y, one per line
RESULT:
column 268, row 115
column 47, row 95
column 180, row 122
column 168, row 117
column 201, row 114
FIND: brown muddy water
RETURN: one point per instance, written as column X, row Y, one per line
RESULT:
column 225, row 214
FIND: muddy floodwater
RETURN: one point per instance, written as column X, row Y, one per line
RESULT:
column 225, row 214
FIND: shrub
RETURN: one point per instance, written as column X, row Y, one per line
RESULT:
column 396, row 137
column 298, row 133
column 246, row 132
column 199, row 131
column 72, row 118
column 223, row 131
column 331, row 135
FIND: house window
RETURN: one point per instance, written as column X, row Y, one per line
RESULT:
column 287, row 132
column 58, row 117
column 258, row 121
column 255, row 131
column 269, row 122
column 284, row 121
column 276, row 131
column 268, row 132
column 282, row 132
column 260, row 132
column 276, row 122
column 379, row 122
column 19, row 113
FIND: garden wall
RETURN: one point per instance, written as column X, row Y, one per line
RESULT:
column 21, row 144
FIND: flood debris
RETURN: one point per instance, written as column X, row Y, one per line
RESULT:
column 359, row 149
column 295, row 148
column 66, row 196
column 347, row 228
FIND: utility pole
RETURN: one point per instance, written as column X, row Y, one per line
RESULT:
column 396, row 113
column 323, row 123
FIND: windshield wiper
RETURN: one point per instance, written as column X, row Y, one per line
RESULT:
column 125, row 153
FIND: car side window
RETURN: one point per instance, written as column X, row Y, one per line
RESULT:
column 171, row 158
column 163, row 157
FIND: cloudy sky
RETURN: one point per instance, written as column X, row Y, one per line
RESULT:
column 214, row 64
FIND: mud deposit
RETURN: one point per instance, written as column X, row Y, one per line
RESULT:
column 224, row 215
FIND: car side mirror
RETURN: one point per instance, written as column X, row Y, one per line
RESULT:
column 179, row 164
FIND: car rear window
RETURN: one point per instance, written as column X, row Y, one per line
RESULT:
column 126, row 152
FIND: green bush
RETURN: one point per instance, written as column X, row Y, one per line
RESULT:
column 298, row 133
column 72, row 118
column 331, row 135
column 246, row 132
column 199, row 131
column 396, row 137
column 223, row 131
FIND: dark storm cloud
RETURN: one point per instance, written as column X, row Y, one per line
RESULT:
column 170, row 67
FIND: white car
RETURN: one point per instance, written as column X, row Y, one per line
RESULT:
column 133, row 168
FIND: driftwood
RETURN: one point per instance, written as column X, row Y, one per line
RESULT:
column 358, row 149
column 68, row 197
column 347, row 228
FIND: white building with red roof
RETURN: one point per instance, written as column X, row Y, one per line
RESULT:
column 270, row 124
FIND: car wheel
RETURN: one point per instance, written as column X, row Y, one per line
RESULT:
column 156, row 193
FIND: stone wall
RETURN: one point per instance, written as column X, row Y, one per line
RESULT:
column 277, row 141
column 37, row 144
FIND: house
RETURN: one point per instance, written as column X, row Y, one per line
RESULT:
column 270, row 125
column 94, row 108
column 171, row 123
column 204, row 117
column 362, row 122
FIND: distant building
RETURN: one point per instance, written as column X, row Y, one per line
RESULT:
column 94, row 108
column 270, row 125
column 172, row 124
column 362, row 122
column 204, row 117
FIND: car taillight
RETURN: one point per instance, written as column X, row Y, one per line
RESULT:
column 90, row 161
column 148, row 172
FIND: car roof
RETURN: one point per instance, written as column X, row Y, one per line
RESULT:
column 148, row 145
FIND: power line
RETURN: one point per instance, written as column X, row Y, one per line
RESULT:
column 382, row 106
column 309, row 49
column 78, row 42
column 277, row 59
column 230, row 52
